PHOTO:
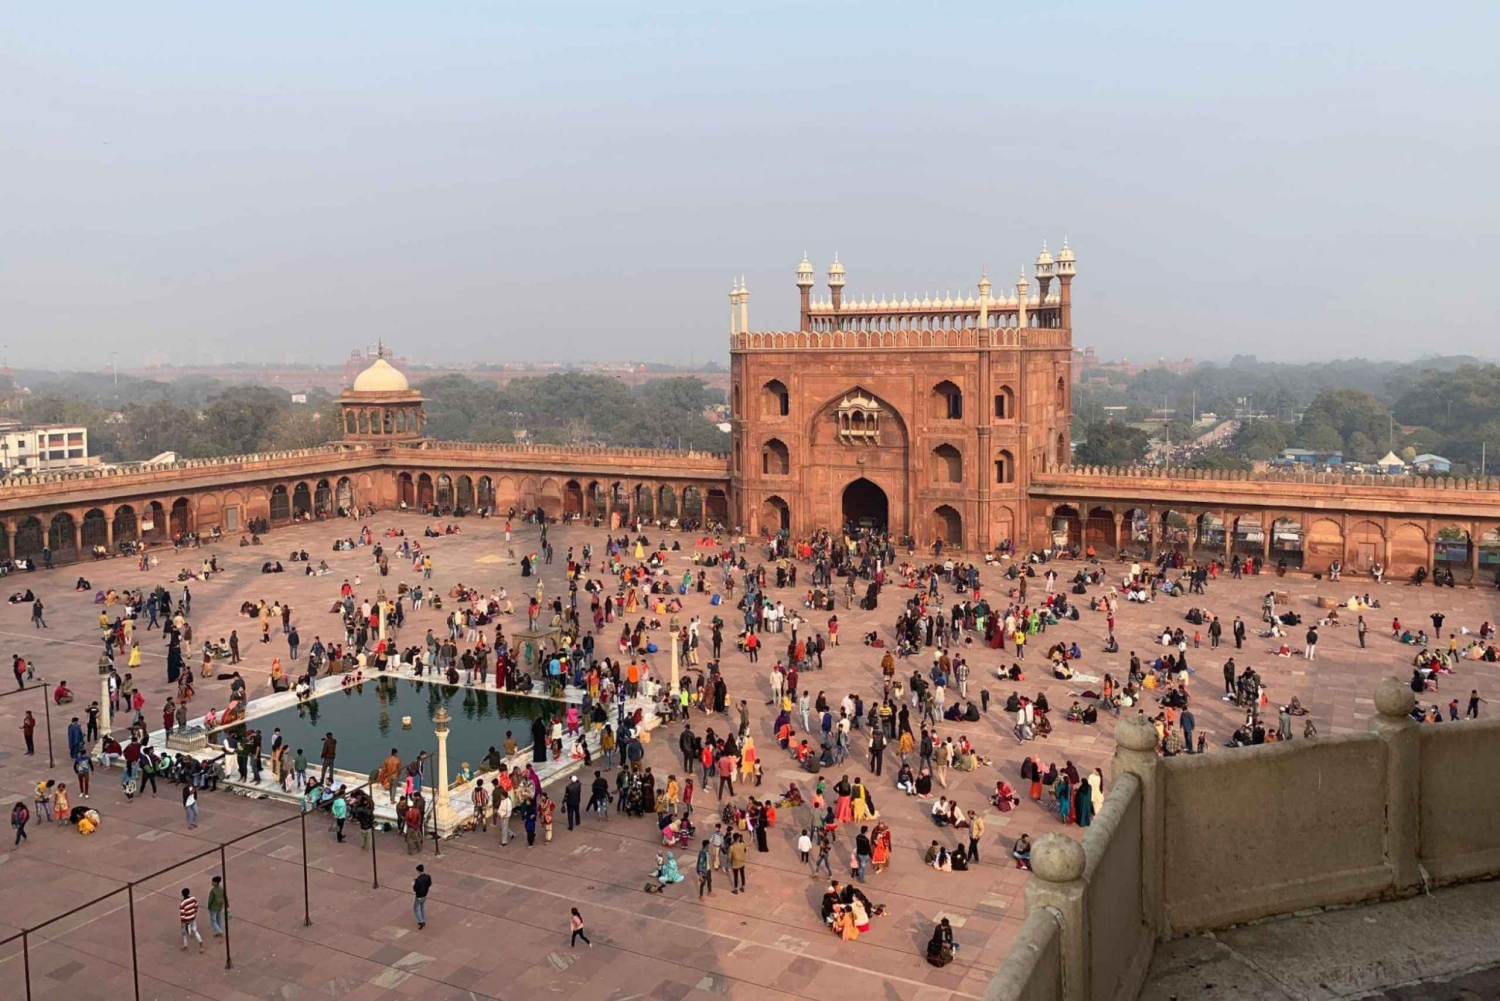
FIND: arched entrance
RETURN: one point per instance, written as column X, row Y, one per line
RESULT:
column 466, row 493
column 1099, row 530
column 323, row 499
column 281, row 504
column 948, row 526
column 125, row 526
column 775, row 516
column 29, row 538
column 1067, row 527
column 445, row 491
column 62, row 537
column 424, row 491
column 486, row 487
column 181, row 521
column 345, row 493
column 572, row 498
column 95, row 529
column 301, row 500
column 865, row 506
column 406, row 490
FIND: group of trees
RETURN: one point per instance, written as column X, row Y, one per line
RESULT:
column 575, row 409
column 198, row 417
column 1448, row 406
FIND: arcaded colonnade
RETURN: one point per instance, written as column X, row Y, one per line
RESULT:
column 1308, row 521
column 71, row 513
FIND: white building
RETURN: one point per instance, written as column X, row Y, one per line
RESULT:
column 43, row 447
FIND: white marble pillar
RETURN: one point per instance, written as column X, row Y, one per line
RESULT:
column 443, row 812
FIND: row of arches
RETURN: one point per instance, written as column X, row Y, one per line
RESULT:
column 946, row 401
column 864, row 504
column 1311, row 542
column 381, row 421
column 558, row 497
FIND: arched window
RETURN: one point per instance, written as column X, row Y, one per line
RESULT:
column 947, row 402
column 776, row 401
column 1062, row 393
column 734, row 401
column 1005, row 404
column 775, row 458
column 1062, row 450
column 948, row 464
column 1005, row 468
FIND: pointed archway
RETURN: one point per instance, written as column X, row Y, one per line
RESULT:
column 865, row 506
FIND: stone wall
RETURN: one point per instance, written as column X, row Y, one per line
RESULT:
column 1196, row 843
column 1033, row 969
column 1274, row 829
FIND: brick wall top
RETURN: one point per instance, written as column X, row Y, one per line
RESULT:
column 572, row 451
column 1085, row 476
column 795, row 340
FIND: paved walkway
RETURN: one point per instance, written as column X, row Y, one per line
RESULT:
column 499, row 916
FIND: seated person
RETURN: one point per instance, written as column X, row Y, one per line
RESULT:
column 924, row 784
column 62, row 694
column 942, row 812
column 83, row 585
column 1021, row 852
column 960, row 859
column 905, row 781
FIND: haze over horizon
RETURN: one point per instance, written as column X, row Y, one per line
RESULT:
column 569, row 182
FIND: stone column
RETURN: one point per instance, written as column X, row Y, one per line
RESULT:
column 676, row 681
column 1057, row 865
column 1228, row 536
column 1394, row 701
column 104, row 714
column 1120, row 540
column 1475, row 535
column 1135, row 754
column 1267, row 529
column 442, row 811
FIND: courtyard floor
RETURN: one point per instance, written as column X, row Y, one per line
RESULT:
column 499, row 917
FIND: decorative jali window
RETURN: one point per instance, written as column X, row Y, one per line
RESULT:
column 859, row 420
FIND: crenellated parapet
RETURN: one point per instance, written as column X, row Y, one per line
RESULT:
column 1269, row 476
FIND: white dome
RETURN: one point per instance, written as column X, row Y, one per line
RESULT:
column 381, row 377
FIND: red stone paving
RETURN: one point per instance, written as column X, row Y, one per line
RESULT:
column 499, row 915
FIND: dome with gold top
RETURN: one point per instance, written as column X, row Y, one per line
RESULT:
column 381, row 377
column 381, row 407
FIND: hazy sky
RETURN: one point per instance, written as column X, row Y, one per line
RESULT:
column 499, row 181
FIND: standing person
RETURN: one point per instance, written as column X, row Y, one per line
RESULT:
column 330, row 752
column 877, row 750
column 705, row 869
column 575, row 921
column 419, row 889
column 340, row 812
column 39, row 622
column 1312, row 643
column 1360, row 628
column 218, row 906
column 976, row 831
column 414, row 830
column 1474, row 700
column 1437, row 624
column 187, row 913
column 737, row 852
column 573, row 801
column 503, row 809
column 862, row 852
column 28, row 731
column 190, row 810
column 20, row 815
column 1239, row 632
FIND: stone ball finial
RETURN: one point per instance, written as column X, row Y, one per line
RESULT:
column 1135, row 733
column 1057, row 858
column 1394, row 697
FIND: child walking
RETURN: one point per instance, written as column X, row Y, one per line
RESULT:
column 576, row 921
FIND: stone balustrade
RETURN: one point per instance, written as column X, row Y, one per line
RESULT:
column 1195, row 843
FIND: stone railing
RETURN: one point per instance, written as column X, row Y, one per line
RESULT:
column 1195, row 843
column 963, row 337
column 1182, row 474
column 578, row 451
column 12, row 485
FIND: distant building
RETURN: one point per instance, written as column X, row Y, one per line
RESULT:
column 1391, row 464
column 1308, row 457
column 1429, row 463
column 43, row 447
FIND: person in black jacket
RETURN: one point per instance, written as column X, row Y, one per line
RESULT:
column 572, row 800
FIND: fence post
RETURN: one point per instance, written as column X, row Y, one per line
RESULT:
column 26, row 960
column 224, row 879
column 1057, row 865
column 47, row 711
column 1135, row 753
column 135, row 963
column 306, row 897
column 374, row 864
column 1394, row 701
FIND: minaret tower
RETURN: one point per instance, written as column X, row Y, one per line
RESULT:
column 804, row 290
column 734, row 307
column 1043, row 271
column 1023, row 297
column 836, row 283
column 984, row 301
column 1065, row 279
column 744, row 307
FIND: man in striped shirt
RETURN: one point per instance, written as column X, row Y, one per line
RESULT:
column 187, row 911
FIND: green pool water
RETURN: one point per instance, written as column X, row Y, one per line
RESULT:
column 366, row 721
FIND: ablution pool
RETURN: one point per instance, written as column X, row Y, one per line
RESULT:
column 366, row 721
